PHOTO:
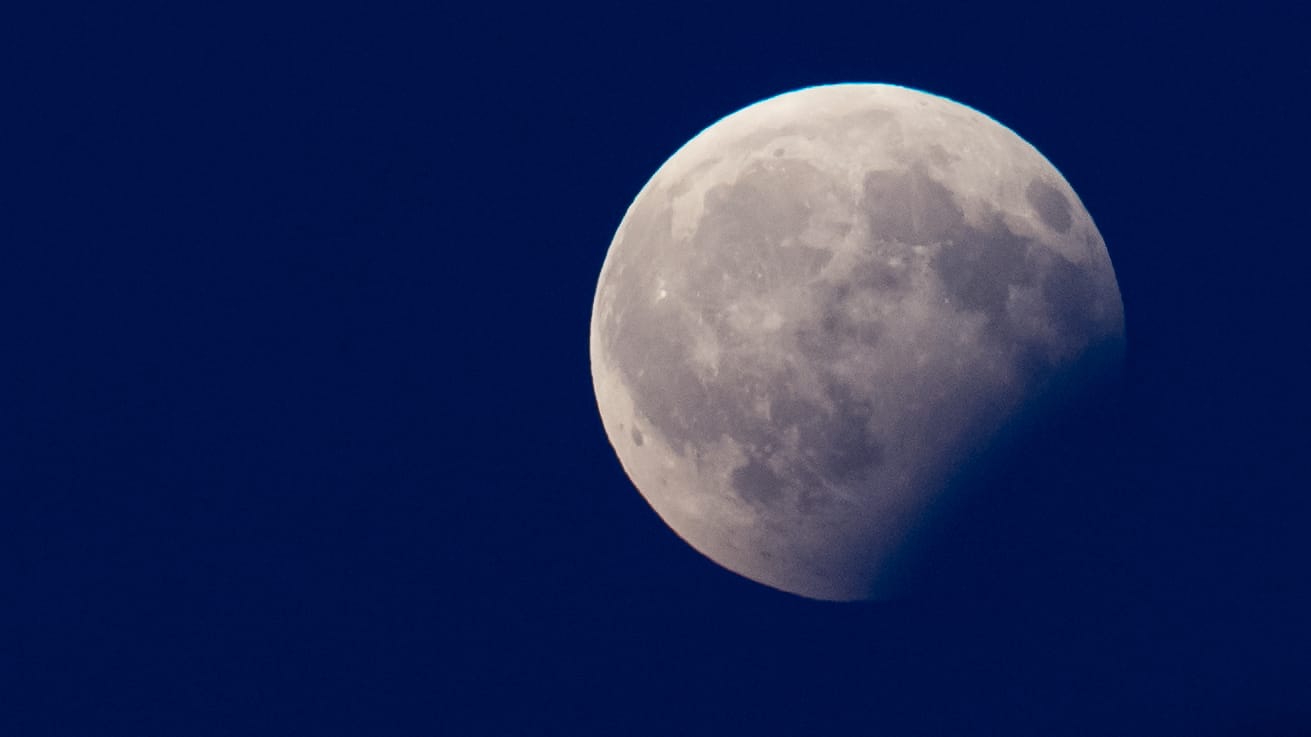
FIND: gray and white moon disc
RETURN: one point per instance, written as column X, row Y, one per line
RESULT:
column 823, row 305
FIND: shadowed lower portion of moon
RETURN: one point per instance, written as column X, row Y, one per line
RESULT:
column 822, row 308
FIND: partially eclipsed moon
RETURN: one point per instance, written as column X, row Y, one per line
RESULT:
column 821, row 307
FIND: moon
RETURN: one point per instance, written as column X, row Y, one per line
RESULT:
column 823, row 307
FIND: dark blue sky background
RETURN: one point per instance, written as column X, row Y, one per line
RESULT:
column 297, row 433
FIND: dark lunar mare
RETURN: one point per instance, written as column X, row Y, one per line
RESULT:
column 1050, row 205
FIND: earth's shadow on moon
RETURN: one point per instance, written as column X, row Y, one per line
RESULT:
column 1025, row 521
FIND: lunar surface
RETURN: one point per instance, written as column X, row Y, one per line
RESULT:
column 824, row 306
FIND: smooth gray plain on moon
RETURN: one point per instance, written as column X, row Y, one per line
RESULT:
column 824, row 305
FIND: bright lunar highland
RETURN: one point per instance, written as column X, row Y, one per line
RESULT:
column 823, row 307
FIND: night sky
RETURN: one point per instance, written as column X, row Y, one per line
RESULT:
column 297, row 432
